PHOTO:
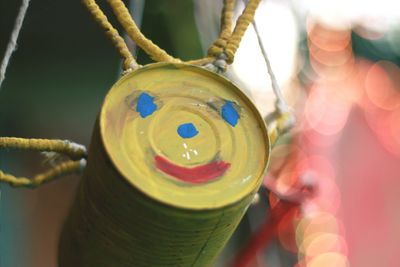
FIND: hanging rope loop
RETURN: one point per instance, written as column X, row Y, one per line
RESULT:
column 65, row 147
column 241, row 26
column 124, row 17
column 217, row 48
column 224, row 47
column 76, row 153
column 94, row 9
column 228, row 42
column 62, row 169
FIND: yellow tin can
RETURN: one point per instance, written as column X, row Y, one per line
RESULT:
column 177, row 155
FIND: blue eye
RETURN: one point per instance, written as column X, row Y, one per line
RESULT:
column 187, row 130
column 145, row 105
column 229, row 113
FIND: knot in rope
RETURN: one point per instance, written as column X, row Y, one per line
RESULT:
column 129, row 67
column 219, row 65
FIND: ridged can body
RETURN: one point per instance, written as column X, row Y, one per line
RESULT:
column 115, row 222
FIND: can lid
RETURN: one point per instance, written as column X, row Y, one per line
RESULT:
column 184, row 136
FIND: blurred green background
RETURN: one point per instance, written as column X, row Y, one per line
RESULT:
column 54, row 86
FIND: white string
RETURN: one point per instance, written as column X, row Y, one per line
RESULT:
column 12, row 44
column 281, row 104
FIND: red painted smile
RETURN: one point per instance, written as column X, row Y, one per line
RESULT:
column 195, row 175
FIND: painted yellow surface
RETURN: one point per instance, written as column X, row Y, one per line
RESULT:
column 184, row 94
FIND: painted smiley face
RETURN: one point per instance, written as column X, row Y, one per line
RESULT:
column 187, row 134
column 184, row 136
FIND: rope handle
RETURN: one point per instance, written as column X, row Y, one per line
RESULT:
column 99, row 16
column 217, row 48
column 221, row 52
column 241, row 26
column 51, row 149
column 125, row 18
column 225, row 47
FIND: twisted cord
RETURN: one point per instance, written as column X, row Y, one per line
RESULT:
column 12, row 44
column 124, row 17
column 129, row 61
column 202, row 61
column 62, row 169
column 74, row 151
column 217, row 48
column 65, row 147
column 224, row 47
column 241, row 26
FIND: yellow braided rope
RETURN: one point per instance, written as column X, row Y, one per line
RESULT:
column 241, row 26
column 226, row 44
column 201, row 61
column 62, row 169
column 74, row 151
column 68, row 148
column 217, row 48
column 124, row 17
column 129, row 61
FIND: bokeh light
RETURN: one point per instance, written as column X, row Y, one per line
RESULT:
column 319, row 243
column 394, row 124
column 339, row 86
column 380, row 88
column 322, row 222
column 330, row 259
column 332, row 40
column 324, row 113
